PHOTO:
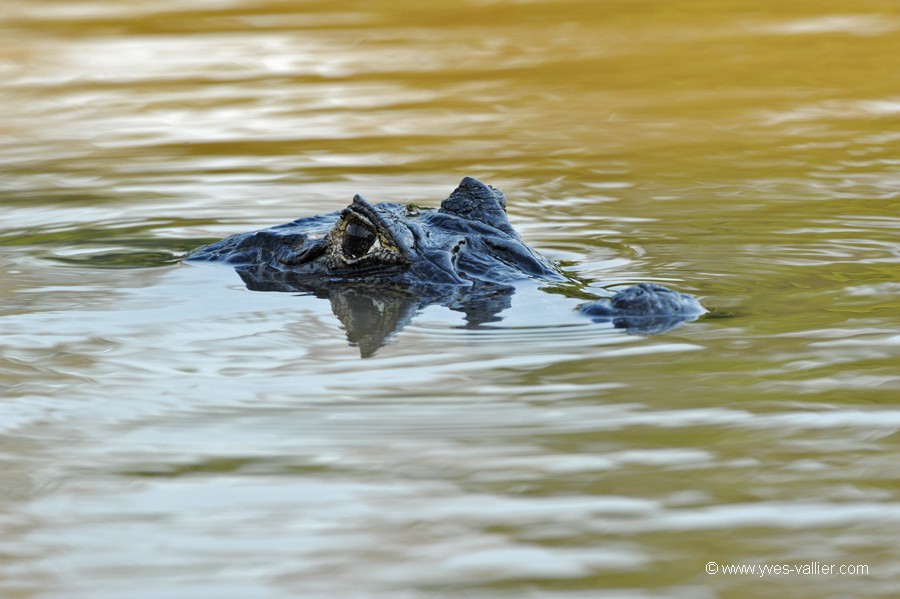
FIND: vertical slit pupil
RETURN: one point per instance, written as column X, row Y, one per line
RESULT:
column 357, row 239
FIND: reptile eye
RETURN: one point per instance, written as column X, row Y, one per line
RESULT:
column 358, row 238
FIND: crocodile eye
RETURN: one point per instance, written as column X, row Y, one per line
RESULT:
column 358, row 238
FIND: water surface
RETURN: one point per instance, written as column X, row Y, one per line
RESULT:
column 165, row 432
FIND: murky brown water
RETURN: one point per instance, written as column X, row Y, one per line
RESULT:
column 165, row 432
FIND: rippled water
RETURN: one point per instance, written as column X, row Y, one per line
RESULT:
column 164, row 432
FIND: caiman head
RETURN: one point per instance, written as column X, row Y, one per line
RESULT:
column 468, row 240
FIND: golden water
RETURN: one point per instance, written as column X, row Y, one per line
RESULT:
column 166, row 433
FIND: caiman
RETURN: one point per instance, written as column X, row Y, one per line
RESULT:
column 388, row 260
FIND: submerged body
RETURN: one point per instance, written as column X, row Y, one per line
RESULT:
column 465, row 255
